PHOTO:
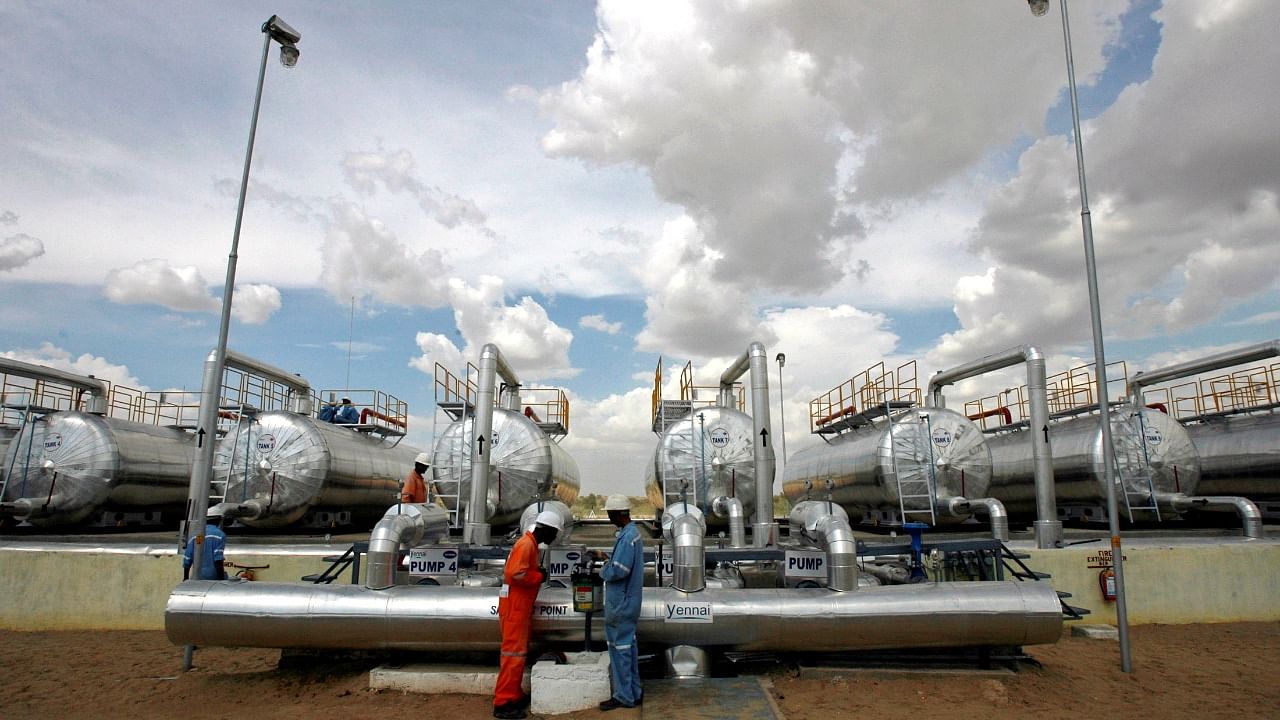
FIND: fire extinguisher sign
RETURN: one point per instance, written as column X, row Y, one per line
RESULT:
column 1102, row 559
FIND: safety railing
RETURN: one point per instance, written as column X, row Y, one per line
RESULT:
column 1068, row 391
column 377, row 411
column 548, row 408
column 1237, row 391
column 450, row 389
column 873, row 388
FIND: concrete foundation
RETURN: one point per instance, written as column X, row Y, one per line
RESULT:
column 438, row 679
column 580, row 684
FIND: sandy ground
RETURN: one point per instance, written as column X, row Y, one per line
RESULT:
column 1183, row 671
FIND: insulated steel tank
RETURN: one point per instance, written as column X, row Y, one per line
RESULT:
column 1239, row 455
column 1150, row 447
column 63, row 468
column 713, row 451
column 292, row 465
column 523, row 462
column 891, row 465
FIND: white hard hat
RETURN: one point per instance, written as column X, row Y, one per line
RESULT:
column 423, row 459
column 618, row 502
column 550, row 519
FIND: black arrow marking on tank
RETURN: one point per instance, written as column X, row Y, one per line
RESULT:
column 764, row 436
column 1046, row 432
column 480, row 440
column 200, row 438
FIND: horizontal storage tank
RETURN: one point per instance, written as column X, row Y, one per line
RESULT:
column 295, row 464
column 523, row 462
column 1147, row 442
column 66, row 466
column 1239, row 455
column 871, row 467
column 713, row 450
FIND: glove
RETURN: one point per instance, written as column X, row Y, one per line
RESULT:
column 545, row 574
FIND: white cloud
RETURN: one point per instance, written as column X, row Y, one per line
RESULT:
column 156, row 282
column 363, row 258
column 1184, row 196
column 610, row 439
column 184, row 289
column 535, row 346
column 8, row 217
column 781, row 128
column 50, row 355
column 599, row 322
column 254, row 304
column 365, row 171
column 18, row 250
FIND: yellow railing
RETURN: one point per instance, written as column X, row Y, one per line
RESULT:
column 1068, row 390
column 1236, row 391
column 870, row 388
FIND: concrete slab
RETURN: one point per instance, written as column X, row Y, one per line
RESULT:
column 580, row 684
column 1096, row 632
column 436, row 679
column 742, row 698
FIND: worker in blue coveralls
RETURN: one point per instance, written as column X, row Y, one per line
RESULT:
column 214, row 546
column 344, row 414
column 623, row 575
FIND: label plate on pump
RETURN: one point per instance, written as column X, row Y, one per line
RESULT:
column 562, row 561
column 805, row 564
column 433, row 561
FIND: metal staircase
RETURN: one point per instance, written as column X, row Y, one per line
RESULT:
column 339, row 564
column 1014, row 565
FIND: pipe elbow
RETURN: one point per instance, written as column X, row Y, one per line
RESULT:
column 1250, row 516
column 998, row 516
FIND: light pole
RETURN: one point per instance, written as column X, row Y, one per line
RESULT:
column 1039, row 8
column 206, row 425
column 782, row 407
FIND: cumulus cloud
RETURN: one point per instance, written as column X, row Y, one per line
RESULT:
column 184, row 289
column 254, row 304
column 363, row 258
column 18, row 250
column 395, row 171
column 1184, row 197
column 688, row 311
column 598, row 322
column 50, row 355
column 535, row 346
column 777, row 126
column 8, row 217
column 157, row 282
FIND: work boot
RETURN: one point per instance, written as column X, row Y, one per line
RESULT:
column 510, row 711
column 613, row 704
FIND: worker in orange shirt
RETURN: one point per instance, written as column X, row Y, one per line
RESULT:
column 521, row 580
column 414, row 487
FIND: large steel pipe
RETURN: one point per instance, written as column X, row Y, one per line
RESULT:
column 757, row 360
column 279, row 615
column 96, row 402
column 1250, row 516
column 492, row 365
column 403, row 524
column 1048, row 527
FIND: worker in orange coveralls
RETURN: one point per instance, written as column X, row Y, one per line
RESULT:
column 521, row 580
column 414, row 488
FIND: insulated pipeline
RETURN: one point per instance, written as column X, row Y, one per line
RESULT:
column 280, row 615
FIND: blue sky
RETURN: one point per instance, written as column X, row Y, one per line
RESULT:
column 594, row 185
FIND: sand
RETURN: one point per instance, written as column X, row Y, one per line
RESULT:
column 1180, row 671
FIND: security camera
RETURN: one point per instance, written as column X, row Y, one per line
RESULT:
column 281, row 31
